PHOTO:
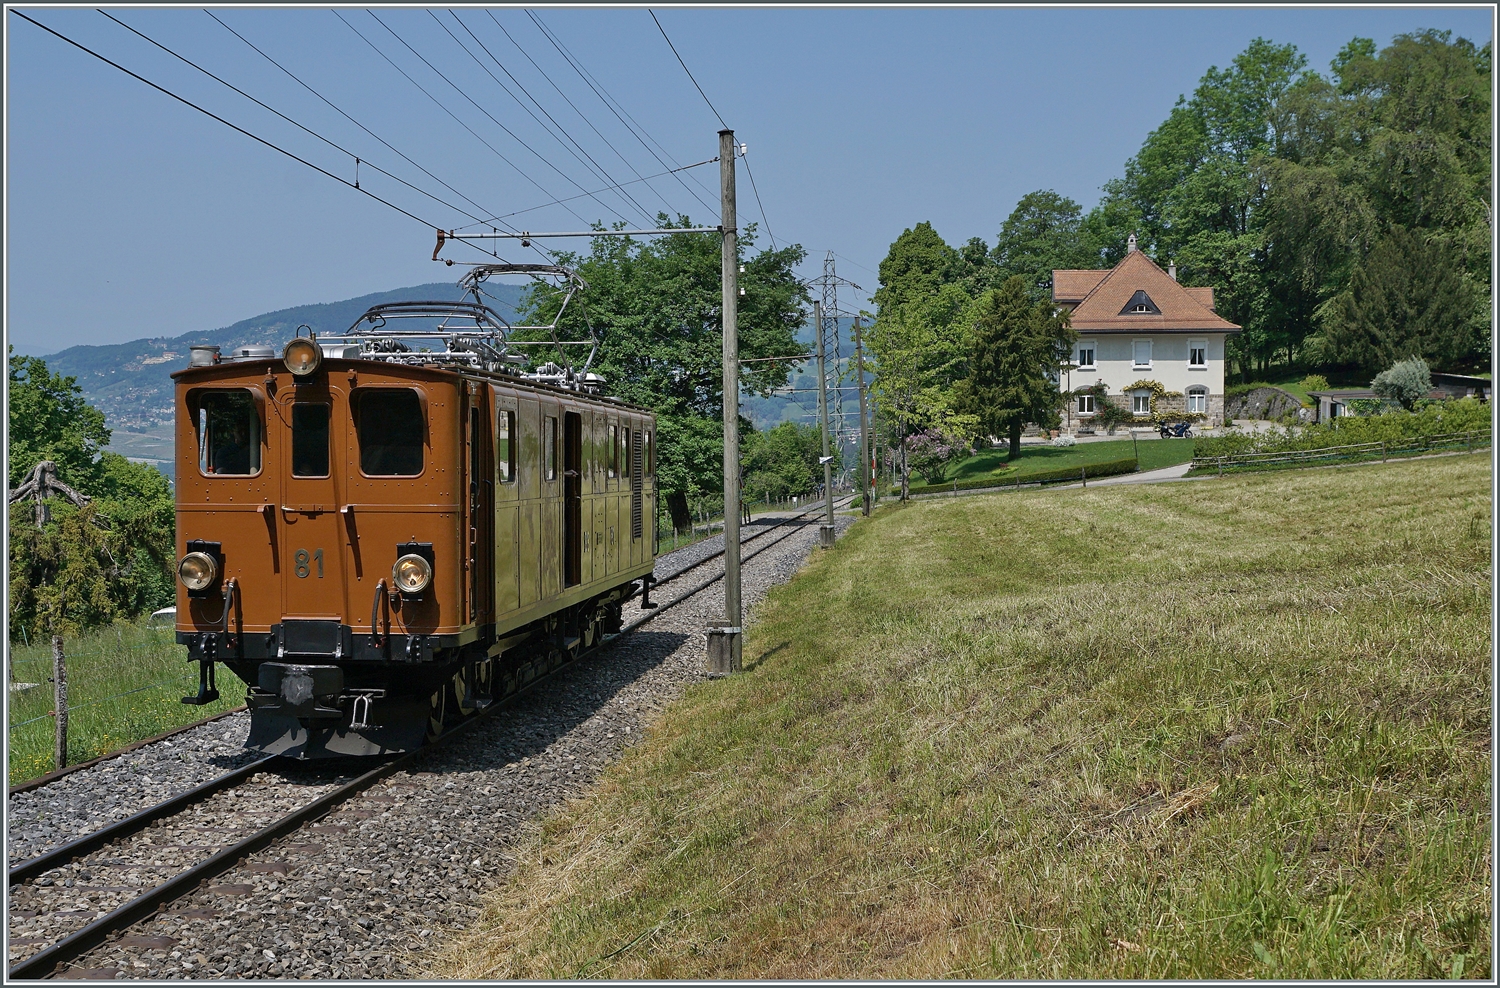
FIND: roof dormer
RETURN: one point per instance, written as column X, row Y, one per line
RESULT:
column 1140, row 304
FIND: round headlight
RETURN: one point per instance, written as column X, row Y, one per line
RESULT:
column 411, row 574
column 302, row 356
column 197, row 570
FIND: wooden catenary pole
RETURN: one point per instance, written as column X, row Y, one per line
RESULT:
column 60, row 701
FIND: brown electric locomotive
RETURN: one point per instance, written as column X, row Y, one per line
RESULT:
column 380, row 539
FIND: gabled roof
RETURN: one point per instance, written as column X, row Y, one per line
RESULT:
column 1074, row 284
column 1103, row 308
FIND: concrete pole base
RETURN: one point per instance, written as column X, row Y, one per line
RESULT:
column 724, row 645
column 825, row 536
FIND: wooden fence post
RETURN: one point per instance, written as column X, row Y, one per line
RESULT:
column 60, row 701
column 1382, row 451
column 1084, row 473
column 1221, row 466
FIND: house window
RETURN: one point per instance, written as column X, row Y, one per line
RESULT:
column 1197, row 400
column 1198, row 354
column 1142, row 351
column 1085, row 404
column 1086, row 355
column 1141, row 307
column 1140, row 402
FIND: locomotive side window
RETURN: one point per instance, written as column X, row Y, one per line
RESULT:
column 650, row 455
column 228, row 434
column 505, row 450
column 614, row 451
column 549, row 437
column 390, row 433
column 309, row 440
column 624, row 452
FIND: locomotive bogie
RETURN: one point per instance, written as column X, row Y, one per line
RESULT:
column 372, row 531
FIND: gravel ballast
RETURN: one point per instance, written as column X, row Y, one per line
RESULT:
column 361, row 893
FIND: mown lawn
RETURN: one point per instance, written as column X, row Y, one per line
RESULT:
column 125, row 683
column 1152, row 454
column 1223, row 729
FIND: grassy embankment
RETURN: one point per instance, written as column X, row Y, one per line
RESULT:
column 1152, row 454
column 144, row 664
column 1211, row 730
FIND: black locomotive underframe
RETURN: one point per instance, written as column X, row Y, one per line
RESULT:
column 323, row 689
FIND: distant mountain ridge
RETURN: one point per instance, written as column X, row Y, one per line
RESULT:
column 131, row 382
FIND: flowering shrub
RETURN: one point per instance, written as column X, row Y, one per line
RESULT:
column 1064, row 440
column 929, row 452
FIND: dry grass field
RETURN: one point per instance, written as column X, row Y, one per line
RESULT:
column 1226, row 729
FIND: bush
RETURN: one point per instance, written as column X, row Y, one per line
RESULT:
column 1439, row 418
column 1064, row 441
column 1405, row 382
column 1315, row 382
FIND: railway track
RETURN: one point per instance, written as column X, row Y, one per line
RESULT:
column 74, row 898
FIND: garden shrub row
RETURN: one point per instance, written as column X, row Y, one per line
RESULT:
column 1108, row 468
column 1439, row 418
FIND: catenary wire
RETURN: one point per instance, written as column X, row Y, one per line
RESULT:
column 581, row 195
column 450, row 113
column 686, row 69
column 209, row 113
column 579, row 112
column 346, row 116
column 758, row 202
column 364, row 161
column 636, row 130
column 592, row 163
column 487, row 113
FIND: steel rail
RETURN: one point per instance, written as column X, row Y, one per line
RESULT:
column 51, row 777
column 744, row 541
column 51, row 959
column 136, row 822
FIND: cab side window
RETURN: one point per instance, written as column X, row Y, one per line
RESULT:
column 229, row 434
column 391, row 430
column 549, row 438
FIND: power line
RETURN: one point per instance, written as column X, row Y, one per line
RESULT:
column 576, row 110
column 758, row 202
column 358, row 160
column 581, row 195
column 450, row 113
column 208, row 113
column 597, row 168
column 610, row 103
column 686, row 69
column 346, row 116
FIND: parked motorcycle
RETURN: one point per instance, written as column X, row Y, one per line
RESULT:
column 1175, row 430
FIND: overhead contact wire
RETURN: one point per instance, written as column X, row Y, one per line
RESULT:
column 597, row 168
column 610, row 104
column 214, row 116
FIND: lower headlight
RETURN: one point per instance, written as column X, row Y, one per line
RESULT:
column 411, row 574
column 197, row 570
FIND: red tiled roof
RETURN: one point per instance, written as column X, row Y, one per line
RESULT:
column 1074, row 284
column 1183, row 310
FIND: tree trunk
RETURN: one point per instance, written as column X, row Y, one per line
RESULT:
column 677, row 506
column 905, row 472
column 1015, row 441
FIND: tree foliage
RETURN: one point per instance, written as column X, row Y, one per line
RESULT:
column 782, row 461
column 1018, row 345
column 1405, row 382
column 110, row 559
column 656, row 306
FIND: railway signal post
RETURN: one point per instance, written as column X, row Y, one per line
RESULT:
column 724, row 638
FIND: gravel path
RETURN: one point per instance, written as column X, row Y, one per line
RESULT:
column 359, row 894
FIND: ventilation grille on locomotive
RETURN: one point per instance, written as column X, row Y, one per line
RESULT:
column 636, row 483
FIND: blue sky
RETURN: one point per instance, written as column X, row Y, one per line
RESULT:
column 132, row 215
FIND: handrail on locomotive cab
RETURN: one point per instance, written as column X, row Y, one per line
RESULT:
column 375, row 640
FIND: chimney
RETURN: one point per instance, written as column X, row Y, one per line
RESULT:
column 1130, row 245
column 1172, row 269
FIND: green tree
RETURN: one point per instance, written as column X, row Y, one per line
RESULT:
column 916, row 267
column 1044, row 232
column 1408, row 297
column 782, row 461
column 1018, row 345
column 1405, row 382
column 656, row 306
column 114, row 557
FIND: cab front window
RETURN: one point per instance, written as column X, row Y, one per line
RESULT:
column 391, row 433
column 228, row 434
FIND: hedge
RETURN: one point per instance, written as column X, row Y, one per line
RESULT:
column 1109, row 468
column 1439, row 418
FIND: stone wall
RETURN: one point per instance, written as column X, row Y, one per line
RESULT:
column 1267, row 403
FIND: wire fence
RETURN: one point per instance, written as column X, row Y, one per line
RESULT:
column 1352, row 452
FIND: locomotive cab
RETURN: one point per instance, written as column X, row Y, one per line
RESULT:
column 379, row 548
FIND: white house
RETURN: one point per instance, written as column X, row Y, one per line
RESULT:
column 1137, row 326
